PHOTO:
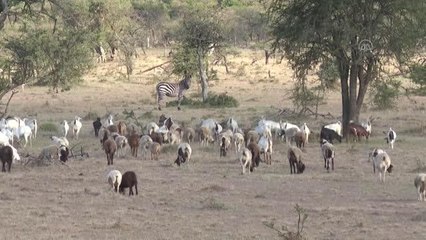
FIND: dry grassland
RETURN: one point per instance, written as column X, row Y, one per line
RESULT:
column 208, row 198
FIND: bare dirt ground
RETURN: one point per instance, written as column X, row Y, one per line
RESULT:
column 208, row 198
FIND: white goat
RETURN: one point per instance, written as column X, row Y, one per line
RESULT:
column 419, row 183
column 238, row 139
column 76, row 127
column 306, row 132
column 60, row 141
column 12, row 123
column 65, row 128
column 151, row 127
column 391, row 137
column 109, row 121
column 271, row 125
column 245, row 158
column 25, row 131
column 114, row 179
column 337, row 127
column 367, row 126
column 327, row 150
column 6, row 136
column 32, row 123
column 121, row 142
column 145, row 142
column 382, row 163
column 265, row 146
column 232, row 124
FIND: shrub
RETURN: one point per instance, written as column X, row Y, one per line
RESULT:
column 213, row 101
column 384, row 94
column 48, row 127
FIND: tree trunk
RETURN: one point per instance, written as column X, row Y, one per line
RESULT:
column 3, row 13
column 364, row 80
column 203, row 76
column 353, row 83
column 343, row 66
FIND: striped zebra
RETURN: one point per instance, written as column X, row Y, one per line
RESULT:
column 172, row 90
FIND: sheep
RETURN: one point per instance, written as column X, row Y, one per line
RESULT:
column 97, row 126
column 238, row 139
column 122, row 128
column 225, row 142
column 289, row 134
column 25, row 131
column 184, row 153
column 157, row 137
column 6, row 157
column 419, row 183
column 232, row 124
column 251, row 136
column 133, row 141
column 76, row 127
column 294, row 156
column 357, row 131
column 110, row 147
column 306, row 132
column 129, row 180
column 328, row 154
column 122, row 142
column 49, row 153
column 255, row 153
column 114, row 179
column 175, row 136
column 145, row 142
column 265, row 146
column 390, row 137
column 382, row 163
column 32, row 123
column 374, row 154
column 60, row 141
column 112, row 128
column 65, row 128
column 300, row 139
column 189, row 134
column 205, row 136
column 245, row 158
column 337, row 127
column 329, row 135
column 155, row 150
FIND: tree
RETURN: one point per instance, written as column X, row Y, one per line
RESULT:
column 200, row 32
column 359, row 36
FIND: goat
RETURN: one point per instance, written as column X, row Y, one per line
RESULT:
column 294, row 156
column 306, row 132
column 32, row 123
column 224, row 145
column 189, row 134
column 157, row 137
column 24, row 130
column 329, row 135
column 289, row 133
column 251, row 136
column 155, row 148
column 121, row 142
column 238, row 139
column 328, row 154
column 300, row 139
column 60, row 141
column 367, row 124
column 232, row 124
column 245, row 158
column 109, row 146
column 390, row 137
column 419, row 183
column 76, row 127
column 122, row 128
column 336, row 127
column 65, row 128
column 6, row 157
column 205, row 136
column 271, row 125
column 175, row 136
column 109, row 121
column 373, row 154
column 358, row 131
column 382, row 163
column 129, row 180
column 184, row 153
column 63, row 153
column 255, row 153
column 97, row 126
column 6, row 136
column 265, row 146
column 145, row 142
column 134, row 140
column 114, row 179
column 16, row 156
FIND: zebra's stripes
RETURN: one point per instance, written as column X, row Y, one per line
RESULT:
column 172, row 90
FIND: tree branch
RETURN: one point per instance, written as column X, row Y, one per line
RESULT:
column 14, row 91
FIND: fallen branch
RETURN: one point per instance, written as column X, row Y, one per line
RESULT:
column 151, row 68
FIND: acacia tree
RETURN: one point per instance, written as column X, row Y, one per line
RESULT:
column 359, row 36
column 200, row 32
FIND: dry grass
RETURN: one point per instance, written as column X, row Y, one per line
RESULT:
column 208, row 198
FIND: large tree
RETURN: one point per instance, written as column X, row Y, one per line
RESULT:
column 359, row 36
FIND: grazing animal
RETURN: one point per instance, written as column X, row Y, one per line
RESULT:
column 367, row 125
column 255, row 153
column 251, row 136
column 157, row 137
column 109, row 146
column 382, row 163
column 32, row 123
column 328, row 154
column 64, row 152
column 184, row 153
column 232, row 124
column 391, row 137
column 129, row 180
column 97, row 126
column 172, row 90
column 419, row 183
column 205, row 136
column 6, row 157
column 122, row 128
column 24, row 130
column 374, row 153
column 289, row 134
column 145, row 142
column 294, row 156
column 134, row 140
column 112, row 128
column 330, row 135
column 238, row 139
column 65, row 128
column 155, row 150
column 265, row 146
column 189, row 134
column 121, row 142
column 358, row 131
column 225, row 142
column 306, row 132
column 336, row 127
column 246, row 160
column 300, row 139
column 60, row 141
column 76, row 127
column 109, row 121
column 114, row 179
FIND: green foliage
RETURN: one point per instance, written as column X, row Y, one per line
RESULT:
column 184, row 61
column 418, row 76
column 304, row 97
column 48, row 127
column 328, row 74
column 384, row 94
column 213, row 101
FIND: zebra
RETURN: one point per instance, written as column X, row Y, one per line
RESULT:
column 172, row 90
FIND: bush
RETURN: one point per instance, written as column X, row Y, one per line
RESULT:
column 48, row 127
column 213, row 101
column 385, row 94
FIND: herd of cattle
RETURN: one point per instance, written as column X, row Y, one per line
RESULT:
column 252, row 146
